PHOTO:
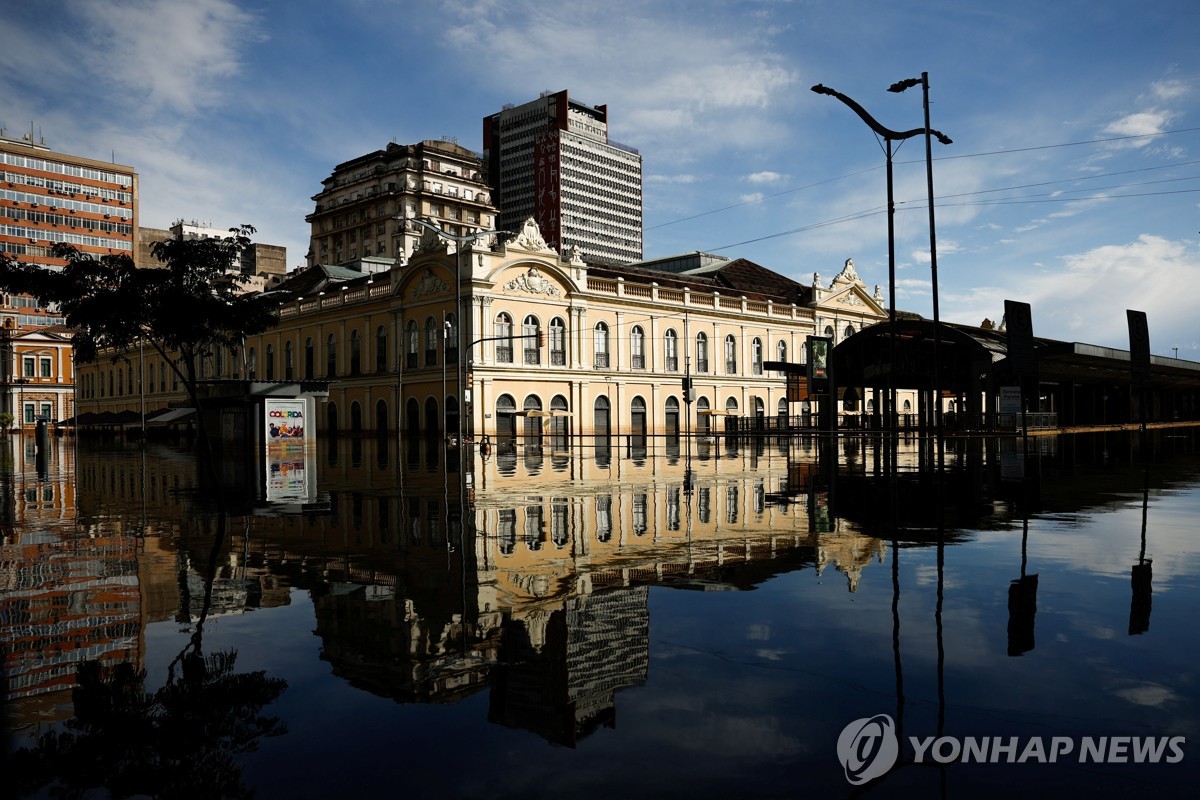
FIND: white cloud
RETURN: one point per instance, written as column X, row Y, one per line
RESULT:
column 766, row 177
column 754, row 197
column 1142, row 123
column 682, row 178
column 1081, row 300
column 172, row 56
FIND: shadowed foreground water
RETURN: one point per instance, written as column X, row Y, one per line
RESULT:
column 638, row 619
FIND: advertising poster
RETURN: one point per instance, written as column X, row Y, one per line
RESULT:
column 287, row 468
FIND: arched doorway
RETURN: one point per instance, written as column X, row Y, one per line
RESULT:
column 331, row 419
column 637, row 417
column 355, row 418
column 703, row 417
column 601, row 422
column 560, row 424
column 412, row 418
column 731, row 415
column 381, row 417
column 431, row 419
column 533, row 422
column 506, row 420
column 671, row 418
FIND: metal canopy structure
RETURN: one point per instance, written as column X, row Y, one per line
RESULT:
column 1080, row 384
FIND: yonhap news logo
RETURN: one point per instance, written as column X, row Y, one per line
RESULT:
column 869, row 748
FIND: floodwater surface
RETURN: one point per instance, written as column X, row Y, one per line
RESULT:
column 724, row 618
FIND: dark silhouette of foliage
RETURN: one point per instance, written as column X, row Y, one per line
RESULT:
column 183, row 309
column 180, row 741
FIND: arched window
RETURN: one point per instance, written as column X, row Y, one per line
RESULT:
column 600, row 341
column 121, row 381
column 150, row 378
column 251, row 364
column 431, row 341
column 671, row 350
column 637, row 348
column 730, row 355
column 701, row 352
column 413, row 339
column 756, row 355
column 287, row 360
column 503, row 333
column 781, row 351
column 907, row 406
column 731, row 406
column 310, row 356
column 829, row 332
column 381, row 349
column 558, row 342
column 355, row 352
column 849, row 331
column 270, row 362
column 529, row 335
column 331, row 356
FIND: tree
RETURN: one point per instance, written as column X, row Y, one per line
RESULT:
column 183, row 310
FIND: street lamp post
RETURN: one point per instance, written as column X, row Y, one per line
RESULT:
column 898, row 87
column 460, row 242
column 888, row 136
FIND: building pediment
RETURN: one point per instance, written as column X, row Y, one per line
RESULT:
column 427, row 284
column 852, row 299
column 530, row 280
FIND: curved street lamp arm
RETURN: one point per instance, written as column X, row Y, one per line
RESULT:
column 874, row 124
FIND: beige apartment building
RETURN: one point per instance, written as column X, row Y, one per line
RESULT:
column 552, row 346
column 363, row 208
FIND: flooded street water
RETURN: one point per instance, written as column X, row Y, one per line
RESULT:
column 658, row 619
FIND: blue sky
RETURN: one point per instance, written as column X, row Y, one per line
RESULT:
column 1073, row 182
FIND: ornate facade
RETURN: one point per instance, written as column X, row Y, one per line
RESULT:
column 552, row 347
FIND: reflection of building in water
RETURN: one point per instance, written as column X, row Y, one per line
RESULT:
column 65, row 595
column 560, row 668
column 381, row 641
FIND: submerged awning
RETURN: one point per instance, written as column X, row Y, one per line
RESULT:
column 173, row 416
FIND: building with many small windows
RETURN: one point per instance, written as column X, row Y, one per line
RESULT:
column 552, row 347
column 49, row 198
column 552, row 159
column 363, row 207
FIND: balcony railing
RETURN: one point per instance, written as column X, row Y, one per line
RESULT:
column 730, row 367
column 756, row 368
column 637, row 362
column 410, row 360
column 601, row 360
column 672, row 363
column 701, row 365
column 533, row 355
column 504, row 355
column 558, row 358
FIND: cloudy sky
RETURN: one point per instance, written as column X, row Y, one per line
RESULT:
column 1073, row 182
